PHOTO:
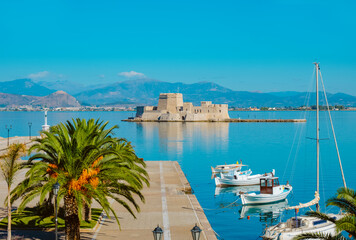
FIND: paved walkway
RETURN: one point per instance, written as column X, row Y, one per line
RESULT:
column 20, row 176
column 166, row 205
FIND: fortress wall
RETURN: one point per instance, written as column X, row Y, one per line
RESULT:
column 219, row 111
column 150, row 115
column 171, row 108
column 188, row 107
column 170, row 117
column 140, row 110
column 195, row 117
column 205, row 103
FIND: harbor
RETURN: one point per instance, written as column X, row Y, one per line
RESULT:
column 197, row 147
column 169, row 203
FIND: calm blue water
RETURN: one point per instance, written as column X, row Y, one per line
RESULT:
column 263, row 146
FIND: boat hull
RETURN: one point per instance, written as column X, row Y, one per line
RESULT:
column 249, row 198
column 246, row 181
column 282, row 233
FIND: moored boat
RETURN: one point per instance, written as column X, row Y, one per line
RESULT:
column 303, row 224
column 270, row 191
column 227, row 168
column 241, row 178
column 306, row 224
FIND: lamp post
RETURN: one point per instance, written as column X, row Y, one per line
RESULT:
column 29, row 129
column 55, row 192
column 157, row 233
column 196, row 232
column 8, row 134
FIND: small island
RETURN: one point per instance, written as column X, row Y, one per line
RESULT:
column 171, row 108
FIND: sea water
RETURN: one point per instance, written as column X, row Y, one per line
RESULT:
column 289, row 148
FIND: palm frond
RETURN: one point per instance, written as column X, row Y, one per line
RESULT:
column 319, row 236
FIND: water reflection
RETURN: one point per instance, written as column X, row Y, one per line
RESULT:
column 175, row 136
column 267, row 213
column 236, row 190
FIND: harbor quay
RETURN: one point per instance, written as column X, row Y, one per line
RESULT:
column 169, row 203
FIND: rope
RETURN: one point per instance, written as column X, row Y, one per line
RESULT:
column 332, row 127
column 211, row 209
column 299, row 130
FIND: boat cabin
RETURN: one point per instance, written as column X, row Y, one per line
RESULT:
column 268, row 185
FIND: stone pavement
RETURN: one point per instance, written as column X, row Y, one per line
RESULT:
column 181, row 211
column 20, row 176
column 168, row 203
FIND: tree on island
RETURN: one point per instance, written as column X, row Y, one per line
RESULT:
column 89, row 164
column 346, row 201
column 9, row 164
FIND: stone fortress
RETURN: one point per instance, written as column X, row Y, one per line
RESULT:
column 171, row 108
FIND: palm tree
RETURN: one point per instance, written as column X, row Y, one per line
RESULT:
column 9, row 167
column 345, row 199
column 84, row 158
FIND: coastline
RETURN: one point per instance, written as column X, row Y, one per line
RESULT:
column 232, row 120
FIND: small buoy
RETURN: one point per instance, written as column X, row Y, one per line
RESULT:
column 248, row 217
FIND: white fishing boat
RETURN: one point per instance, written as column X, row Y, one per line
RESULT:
column 270, row 191
column 240, row 178
column 304, row 224
column 227, row 168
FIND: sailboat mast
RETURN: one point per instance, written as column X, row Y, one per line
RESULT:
column 317, row 130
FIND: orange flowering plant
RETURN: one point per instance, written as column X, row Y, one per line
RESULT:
column 90, row 164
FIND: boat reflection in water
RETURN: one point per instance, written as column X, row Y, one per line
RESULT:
column 236, row 190
column 229, row 198
column 268, row 213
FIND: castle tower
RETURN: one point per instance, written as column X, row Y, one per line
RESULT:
column 171, row 102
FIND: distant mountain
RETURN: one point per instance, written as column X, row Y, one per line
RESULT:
column 67, row 86
column 56, row 99
column 146, row 92
column 285, row 94
column 24, row 87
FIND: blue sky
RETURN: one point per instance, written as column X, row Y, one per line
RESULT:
column 244, row 45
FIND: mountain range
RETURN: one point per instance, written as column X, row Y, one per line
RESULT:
column 146, row 91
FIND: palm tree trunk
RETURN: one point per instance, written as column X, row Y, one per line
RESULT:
column 87, row 212
column 72, row 224
column 8, row 214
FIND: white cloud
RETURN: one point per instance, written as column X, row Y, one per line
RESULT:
column 38, row 75
column 132, row 74
column 101, row 76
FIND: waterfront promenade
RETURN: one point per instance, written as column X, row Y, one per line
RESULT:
column 168, row 203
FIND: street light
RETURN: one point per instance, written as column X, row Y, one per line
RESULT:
column 157, row 233
column 8, row 134
column 29, row 129
column 55, row 192
column 196, row 232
